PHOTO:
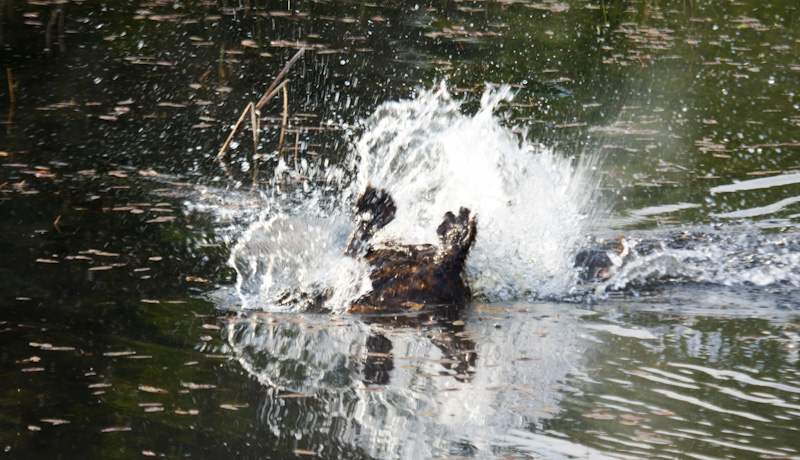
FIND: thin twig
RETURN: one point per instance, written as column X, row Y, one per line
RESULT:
column 234, row 130
column 285, row 117
column 268, row 96
column 48, row 31
column 278, row 78
column 296, row 142
column 220, row 66
column 255, row 117
column 306, row 128
column 11, row 94
column 254, row 121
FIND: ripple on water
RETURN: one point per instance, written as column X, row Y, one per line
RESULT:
column 701, row 386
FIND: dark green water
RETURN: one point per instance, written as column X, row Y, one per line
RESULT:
column 120, row 332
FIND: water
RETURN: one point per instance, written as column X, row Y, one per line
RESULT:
column 413, row 408
column 552, row 380
column 396, row 388
column 429, row 156
column 534, row 209
column 149, row 307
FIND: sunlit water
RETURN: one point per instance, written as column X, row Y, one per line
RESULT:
column 531, row 205
column 684, row 114
column 534, row 208
column 545, row 379
column 407, row 399
column 515, row 375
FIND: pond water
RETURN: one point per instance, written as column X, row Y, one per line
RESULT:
column 154, row 304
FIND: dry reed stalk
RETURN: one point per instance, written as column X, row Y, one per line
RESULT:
column 285, row 119
column 221, row 157
column 247, row 109
column 254, row 121
column 278, row 78
column 11, row 93
column 269, row 95
column 296, row 143
column 255, row 118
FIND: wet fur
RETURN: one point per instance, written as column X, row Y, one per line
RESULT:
column 411, row 277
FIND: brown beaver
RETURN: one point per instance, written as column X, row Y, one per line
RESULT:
column 410, row 277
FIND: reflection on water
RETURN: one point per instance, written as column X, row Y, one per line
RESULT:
column 542, row 379
column 418, row 390
column 703, row 385
column 109, row 349
column 547, row 379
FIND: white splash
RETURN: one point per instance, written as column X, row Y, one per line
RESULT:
column 727, row 257
column 432, row 158
column 294, row 262
column 530, row 203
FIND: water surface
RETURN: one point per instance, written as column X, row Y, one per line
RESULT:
column 142, row 313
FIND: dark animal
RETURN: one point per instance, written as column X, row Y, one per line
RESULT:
column 594, row 262
column 410, row 277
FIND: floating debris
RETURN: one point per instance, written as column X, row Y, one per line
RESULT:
column 233, row 406
column 600, row 415
column 50, row 347
column 152, row 389
column 54, row 421
column 187, row 412
column 119, row 353
column 100, row 385
column 115, row 429
column 198, row 386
